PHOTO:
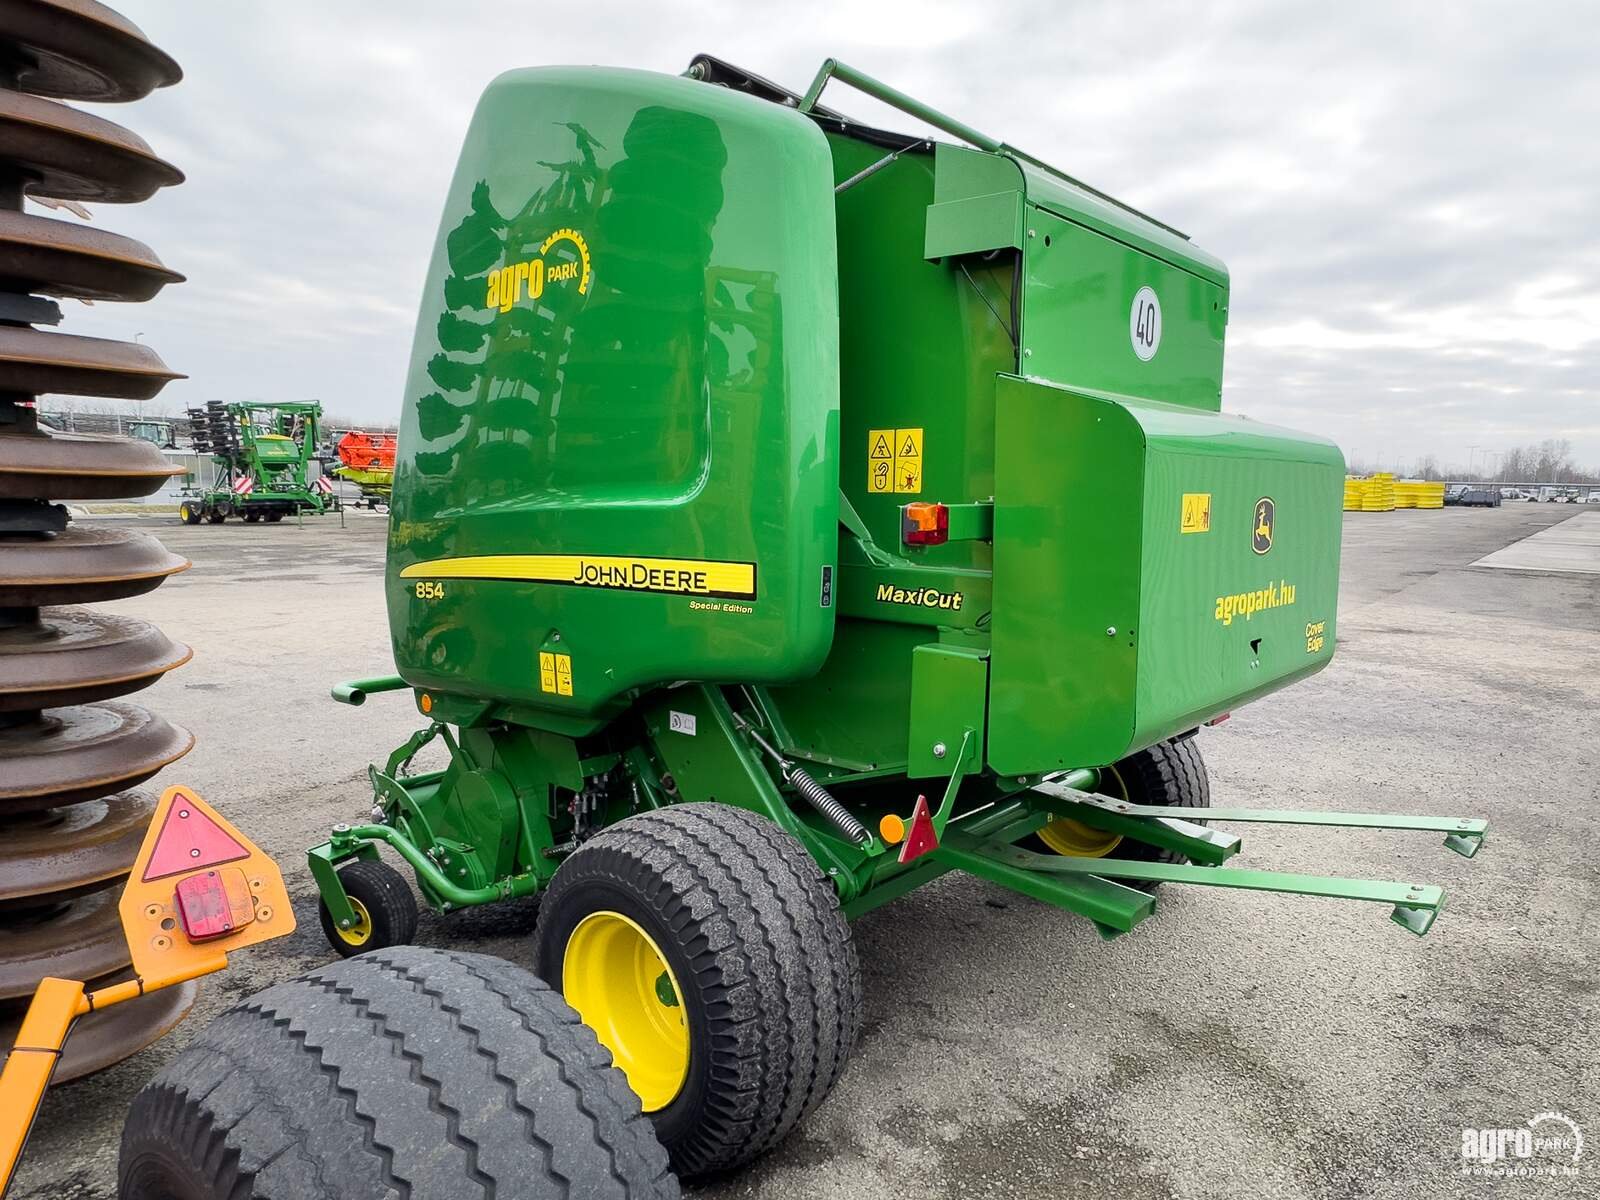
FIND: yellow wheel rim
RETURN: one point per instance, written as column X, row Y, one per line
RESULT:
column 358, row 933
column 1077, row 840
column 615, row 975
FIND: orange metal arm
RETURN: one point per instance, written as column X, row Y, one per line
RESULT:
column 31, row 1064
column 241, row 901
column 55, row 1007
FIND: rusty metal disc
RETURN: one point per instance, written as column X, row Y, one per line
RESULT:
column 70, row 155
column 80, row 50
column 112, row 1034
column 85, row 564
column 59, row 258
column 59, row 852
column 77, row 939
column 77, row 655
column 36, row 360
column 50, row 465
column 82, row 753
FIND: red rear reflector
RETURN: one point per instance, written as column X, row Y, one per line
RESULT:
column 214, row 903
column 924, row 524
column 1218, row 720
column 188, row 841
column 920, row 837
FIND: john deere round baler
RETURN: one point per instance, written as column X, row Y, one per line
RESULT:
column 788, row 512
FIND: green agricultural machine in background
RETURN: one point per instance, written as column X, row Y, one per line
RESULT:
column 266, row 463
column 789, row 512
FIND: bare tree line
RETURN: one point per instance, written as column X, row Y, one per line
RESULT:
column 1549, row 461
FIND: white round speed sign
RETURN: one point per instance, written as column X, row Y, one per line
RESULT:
column 1144, row 324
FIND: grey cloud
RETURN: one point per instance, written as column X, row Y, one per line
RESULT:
column 1394, row 178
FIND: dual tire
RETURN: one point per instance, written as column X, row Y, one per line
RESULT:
column 709, row 954
column 704, row 953
column 404, row 1072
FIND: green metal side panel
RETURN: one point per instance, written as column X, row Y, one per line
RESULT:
column 1077, row 317
column 949, row 694
column 1050, row 191
column 974, row 225
column 619, row 444
column 1113, row 627
column 917, row 342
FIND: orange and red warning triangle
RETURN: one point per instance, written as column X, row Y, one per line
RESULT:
column 189, row 840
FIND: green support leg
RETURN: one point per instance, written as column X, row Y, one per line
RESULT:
column 1415, row 905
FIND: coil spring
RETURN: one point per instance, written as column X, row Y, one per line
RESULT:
column 823, row 801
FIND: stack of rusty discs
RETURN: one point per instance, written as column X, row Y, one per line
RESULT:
column 73, row 753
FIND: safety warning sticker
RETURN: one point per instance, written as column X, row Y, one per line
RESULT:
column 880, row 460
column 1196, row 516
column 894, row 460
column 555, row 673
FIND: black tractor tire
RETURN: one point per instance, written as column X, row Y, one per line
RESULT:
column 217, row 515
column 189, row 513
column 274, row 517
column 383, row 900
column 752, row 932
column 252, row 516
column 404, row 1072
column 1170, row 774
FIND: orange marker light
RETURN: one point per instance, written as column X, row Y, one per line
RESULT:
column 426, row 703
column 892, row 828
column 924, row 524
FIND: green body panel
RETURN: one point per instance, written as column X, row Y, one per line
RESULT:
column 949, row 696
column 667, row 405
column 1113, row 627
column 1085, row 262
column 1075, row 317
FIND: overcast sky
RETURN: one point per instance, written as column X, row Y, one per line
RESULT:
column 1407, row 194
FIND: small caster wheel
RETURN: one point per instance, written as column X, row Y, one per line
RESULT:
column 386, row 910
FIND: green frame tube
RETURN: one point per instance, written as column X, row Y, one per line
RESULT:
column 878, row 90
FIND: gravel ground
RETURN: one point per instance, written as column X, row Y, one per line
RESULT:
column 1270, row 1046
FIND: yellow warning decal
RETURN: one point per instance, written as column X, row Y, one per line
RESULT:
column 555, row 673
column 894, row 460
column 1196, row 516
column 908, row 460
column 675, row 576
column 880, row 460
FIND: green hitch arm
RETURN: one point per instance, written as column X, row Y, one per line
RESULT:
column 454, row 896
column 834, row 69
column 1415, row 904
column 1462, row 835
column 356, row 691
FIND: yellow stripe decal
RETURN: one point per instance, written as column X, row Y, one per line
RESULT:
column 674, row 576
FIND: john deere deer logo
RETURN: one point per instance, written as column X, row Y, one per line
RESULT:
column 1261, row 533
